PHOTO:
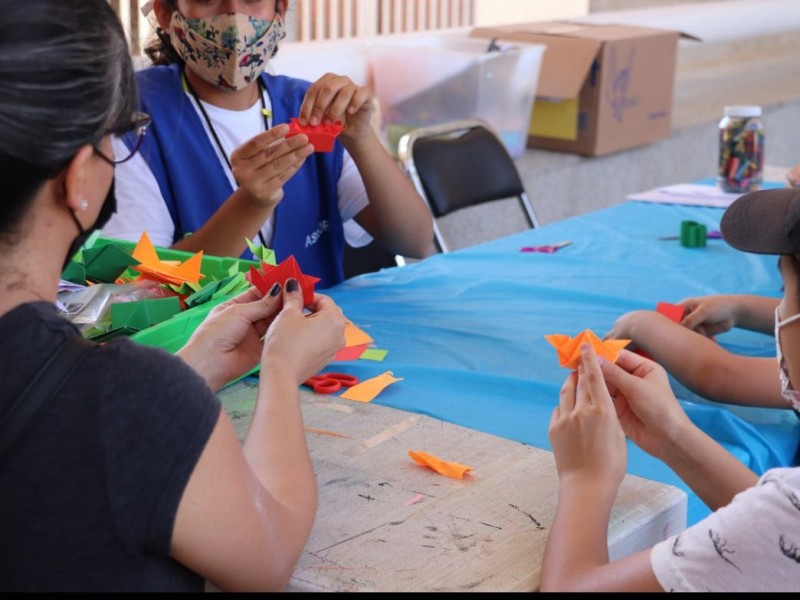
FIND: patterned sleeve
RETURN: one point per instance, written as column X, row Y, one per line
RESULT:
column 753, row 544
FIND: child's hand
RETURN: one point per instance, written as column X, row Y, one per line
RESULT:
column 710, row 315
column 647, row 409
column 263, row 164
column 586, row 436
column 632, row 326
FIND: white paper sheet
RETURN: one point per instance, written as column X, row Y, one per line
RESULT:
column 694, row 194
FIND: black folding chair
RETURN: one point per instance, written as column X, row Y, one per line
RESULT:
column 367, row 259
column 461, row 164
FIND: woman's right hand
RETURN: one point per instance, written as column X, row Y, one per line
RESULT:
column 648, row 411
column 303, row 343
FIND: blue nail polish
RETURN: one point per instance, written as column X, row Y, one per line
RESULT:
column 275, row 289
column 292, row 285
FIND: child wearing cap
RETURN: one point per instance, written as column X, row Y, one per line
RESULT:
column 751, row 542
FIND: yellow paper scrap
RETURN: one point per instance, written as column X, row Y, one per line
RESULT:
column 366, row 391
column 373, row 354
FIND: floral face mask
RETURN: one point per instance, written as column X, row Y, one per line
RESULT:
column 229, row 51
column 790, row 395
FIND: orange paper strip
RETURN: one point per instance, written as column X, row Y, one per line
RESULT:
column 448, row 469
column 366, row 391
column 569, row 349
column 327, row 432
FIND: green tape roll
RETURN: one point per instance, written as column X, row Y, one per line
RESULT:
column 693, row 234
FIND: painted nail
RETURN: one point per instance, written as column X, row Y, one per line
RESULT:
column 292, row 285
column 275, row 289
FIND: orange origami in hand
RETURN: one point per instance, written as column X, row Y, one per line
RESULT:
column 569, row 349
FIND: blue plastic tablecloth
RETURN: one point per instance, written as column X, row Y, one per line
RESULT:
column 466, row 330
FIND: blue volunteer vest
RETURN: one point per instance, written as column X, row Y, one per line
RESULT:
column 194, row 184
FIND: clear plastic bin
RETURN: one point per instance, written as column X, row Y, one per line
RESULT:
column 429, row 80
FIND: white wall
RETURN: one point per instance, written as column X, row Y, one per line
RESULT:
column 722, row 21
column 499, row 12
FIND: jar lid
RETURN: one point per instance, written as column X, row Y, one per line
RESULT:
column 743, row 111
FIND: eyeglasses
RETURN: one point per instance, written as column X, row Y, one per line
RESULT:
column 138, row 126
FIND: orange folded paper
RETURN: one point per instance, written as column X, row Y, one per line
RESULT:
column 165, row 271
column 448, row 469
column 569, row 349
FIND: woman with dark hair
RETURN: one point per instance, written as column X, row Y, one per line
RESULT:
column 219, row 166
column 123, row 473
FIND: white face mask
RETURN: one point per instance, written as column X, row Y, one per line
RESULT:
column 790, row 395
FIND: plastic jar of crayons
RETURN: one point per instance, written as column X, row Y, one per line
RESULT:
column 741, row 149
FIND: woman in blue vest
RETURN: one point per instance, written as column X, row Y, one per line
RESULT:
column 216, row 163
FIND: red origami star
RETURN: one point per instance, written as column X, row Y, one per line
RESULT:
column 268, row 275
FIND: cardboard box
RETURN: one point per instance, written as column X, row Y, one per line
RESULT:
column 602, row 88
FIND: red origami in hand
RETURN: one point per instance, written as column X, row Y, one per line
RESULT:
column 265, row 278
column 320, row 136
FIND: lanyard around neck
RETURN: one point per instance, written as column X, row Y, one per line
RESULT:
column 264, row 113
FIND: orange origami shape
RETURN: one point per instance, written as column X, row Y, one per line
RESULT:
column 165, row 271
column 320, row 136
column 569, row 349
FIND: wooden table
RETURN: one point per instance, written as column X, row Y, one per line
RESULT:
column 387, row 524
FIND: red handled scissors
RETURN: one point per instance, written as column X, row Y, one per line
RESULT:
column 327, row 383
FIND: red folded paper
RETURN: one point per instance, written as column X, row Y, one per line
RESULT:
column 320, row 136
column 268, row 275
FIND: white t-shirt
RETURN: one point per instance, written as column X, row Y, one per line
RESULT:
column 753, row 544
column 141, row 207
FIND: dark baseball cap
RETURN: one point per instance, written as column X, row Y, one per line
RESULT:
column 764, row 222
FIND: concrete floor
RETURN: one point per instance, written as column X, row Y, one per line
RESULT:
column 763, row 71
